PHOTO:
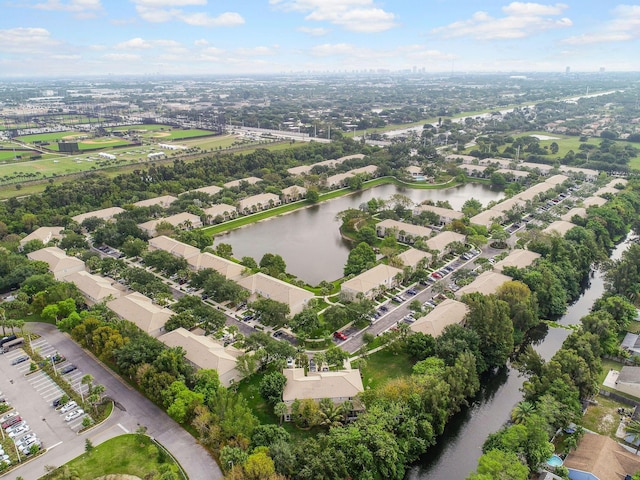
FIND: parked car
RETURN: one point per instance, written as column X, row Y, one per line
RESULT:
column 15, row 426
column 384, row 308
column 436, row 275
column 412, row 291
column 25, row 439
column 57, row 402
column 19, row 431
column 398, row 299
column 27, row 449
column 11, row 421
column 68, row 369
column 19, row 360
column 68, row 407
column 73, row 415
column 9, row 415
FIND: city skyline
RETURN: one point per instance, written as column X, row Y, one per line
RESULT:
column 183, row 37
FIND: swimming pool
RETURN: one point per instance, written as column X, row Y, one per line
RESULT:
column 555, row 461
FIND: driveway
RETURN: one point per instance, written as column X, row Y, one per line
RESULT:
column 136, row 410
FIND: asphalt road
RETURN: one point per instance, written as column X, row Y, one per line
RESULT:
column 138, row 410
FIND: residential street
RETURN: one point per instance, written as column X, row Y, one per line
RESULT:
column 138, row 410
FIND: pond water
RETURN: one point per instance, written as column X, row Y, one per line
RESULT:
column 309, row 239
column 458, row 449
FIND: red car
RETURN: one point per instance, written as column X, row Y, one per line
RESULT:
column 340, row 336
column 11, row 421
column 436, row 275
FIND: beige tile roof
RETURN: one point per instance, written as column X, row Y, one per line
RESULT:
column 302, row 169
column 414, row 230
column 44, row 234
column 519, row 258
column 269, row 287
column 236, row 183
column 486, row 283
column 559, row 226
column 507, row 205
column 501, row 162
column 540, row 166
column 340, row 385
column 338, row 178
column 140, row 310
column 206, row 353
column 556, row 180
column 209, row 190
column 260, row 199
column 464, row 158
column 442, row 240
column 176, row 220
column 104, row 214
column 411, row 257
column 485, row 218
column 473, row 168
column 95, row 287
column 163, row 201
column 515, row 173
column 617, row 181
column 581, row 212
column 371, row 169
column 594, row 201
column 174, row 247
column 607, row 190
column 531, row 192
column 220, row 209
column 60, row 264
column 358, row 156
column 413, row 170
column 230, row 270
column 603, row 457
column 294, row 191
column 449, row 312
column 587, row 171
column 441, row 212
column 373, row 278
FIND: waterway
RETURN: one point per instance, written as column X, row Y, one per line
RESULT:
column 459, row 448
column 309, row 239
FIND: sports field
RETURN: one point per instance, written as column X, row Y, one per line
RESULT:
column 7, row 155
column 166, row 132
column 85, row 142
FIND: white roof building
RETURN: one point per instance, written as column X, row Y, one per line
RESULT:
column 230, row 270
column 541, row 167
column 449, row 312
column 579, row 211
column 266, row 286
column 174, row 247
column 163, row 201
column 443, row 240
column 44, row 234
column 413, row 256
column 205, row 353
column 293, row 193
column 607, row 191
column 446, row 214
column 94, row 287
column 184, row 221
column 486, row 218
column 559, row 226
column 486, row 283
column 236, row 183
column 338, row 386
column 104, row 214
column 209, row 190
column 221, row 210
column 464, row 158
column 556, row 180
column 141, row 310
column 411, row 232
column 60, row 264
column 258, row 202
column 594, row 202
column 518, row 258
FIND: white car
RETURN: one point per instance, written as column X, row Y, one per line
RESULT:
column 25, row 448
column 73, row 415
column 15, row 426
column 26, row 439
column 67, row 407
column 23, row 429
column 9, row 415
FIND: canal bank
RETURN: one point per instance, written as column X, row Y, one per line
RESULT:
column 458, row 449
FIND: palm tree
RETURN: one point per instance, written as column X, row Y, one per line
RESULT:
column 346, row 408
column 522, row 411
column 633, row 429
column 330, row 414
column 280, row 409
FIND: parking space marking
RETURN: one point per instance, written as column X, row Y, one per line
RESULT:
column 125, row 430
column 54, row 445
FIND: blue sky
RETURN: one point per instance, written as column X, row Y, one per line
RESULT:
column 86, row 37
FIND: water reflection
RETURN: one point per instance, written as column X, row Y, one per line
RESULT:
column 309, row 239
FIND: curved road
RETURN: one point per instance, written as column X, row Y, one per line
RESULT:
column 138, row 410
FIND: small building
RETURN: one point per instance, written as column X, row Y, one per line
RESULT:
column 228, row 269
column 339, row 387
column 140, row 310
column 237, row 183
column 540, row 168
column 171, row 146
column 508, row 204
column 95, row 288
column 446, row 215
column 601, row 458
column 535, row 190
column 205, row 353
column 518, row 258
column 108, row 156
column 182, row 221
column 588, row 174
column 104, row 214
column 370, row 283
column 414, row 170
column 618, row 181
column 155, row 155
column 559, row 226
column 164, row 201
column 262, row 285
column 487, row 218
column 293, row 193
column 412, row 257
column 631, row 343
column 478, row 171
column 497, row 162
column 220, row 211
column 628, row 381
column 449, row 312
column 60, row 264
column 594, row 202
column 209, row 190
column 404, row 232
column 44, row 234
column 465, row 159
column 606, row 191
column 442, row 242
column 174, row 247
column 338, row 180
column 486, row 283
column 576, row 211
column 513, row 175
column 257, row 203
column 556, row 180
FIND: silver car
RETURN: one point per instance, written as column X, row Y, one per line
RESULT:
column 23, row 429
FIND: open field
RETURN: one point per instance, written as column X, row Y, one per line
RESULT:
column 51, row 137
column 126, row 454
column 84, row 143
column 383, row 366
column 166, row 132
column 10, row 154
column 152, row 127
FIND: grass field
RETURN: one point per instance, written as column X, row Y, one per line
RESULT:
column 84, row 143
column 179, row 134
column 51, row 137
column 383, row 366
column 126, row 454
column 10, row 154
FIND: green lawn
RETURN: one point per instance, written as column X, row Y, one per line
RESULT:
column 603, row 418
column 10, row 154
column 141, row 128
column 125, row 454
column 383, row 366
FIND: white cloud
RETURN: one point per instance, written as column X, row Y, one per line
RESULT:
column 354, row 15
column 27, row 40
column 80, row 8
column 420, row 52
column 256, row 51
column 160, row 11
column 315, row 32
column 201, row 43
column 624, row 26
column 521, row 20
column 124, row 57
column 142, row 44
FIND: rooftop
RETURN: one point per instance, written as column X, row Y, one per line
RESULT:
column 486, row 283
column 370, row 279
column 559, row 226
column 448, row 312
column 603, row 457
column 518, row 258
column 342, row 384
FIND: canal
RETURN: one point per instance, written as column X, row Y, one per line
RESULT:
column 309, row 240
column 459, row 448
